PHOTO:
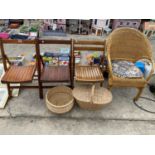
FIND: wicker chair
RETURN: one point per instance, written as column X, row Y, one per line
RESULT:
column 87, row 73
column 127, row 44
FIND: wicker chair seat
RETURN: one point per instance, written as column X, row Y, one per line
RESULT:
column 128, row 82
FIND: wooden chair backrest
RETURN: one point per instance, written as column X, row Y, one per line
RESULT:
column 88, row 45
column 62, row 42
column 91, row 45
column 13, row 41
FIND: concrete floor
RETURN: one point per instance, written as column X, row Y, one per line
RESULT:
column 27, row 114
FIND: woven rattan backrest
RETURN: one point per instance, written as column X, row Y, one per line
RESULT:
column 128, row 44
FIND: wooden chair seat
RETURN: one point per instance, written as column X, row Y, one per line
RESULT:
column 88, row 74
column 55, row 74
column 19, row 74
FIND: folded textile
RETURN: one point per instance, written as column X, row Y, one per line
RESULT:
column 148, row 66
column 140, row 65
column 4, row 35
column 18, row 36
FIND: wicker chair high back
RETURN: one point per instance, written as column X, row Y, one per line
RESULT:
column 88, row 73
column 128, row 44
column 17, row 74
column 54, row 74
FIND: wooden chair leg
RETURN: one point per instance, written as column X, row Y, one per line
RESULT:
column 109, row 87
column 72, row 84
column 40, row 90
column 138, row 94
column 9, row 90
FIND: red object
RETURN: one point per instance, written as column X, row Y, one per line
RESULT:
column 4, row 35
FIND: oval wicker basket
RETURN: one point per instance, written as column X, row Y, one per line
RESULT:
column 92, row 98
column 59, row 99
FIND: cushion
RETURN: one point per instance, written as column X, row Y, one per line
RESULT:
column 141, row 66
column 148, row 66
column 126, row 69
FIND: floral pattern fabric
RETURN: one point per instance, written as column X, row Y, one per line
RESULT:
column 126, row 69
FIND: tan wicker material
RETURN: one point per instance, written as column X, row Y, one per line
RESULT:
column 92, row 98
column 88, row 73
column 59, row 99
column 127, row 44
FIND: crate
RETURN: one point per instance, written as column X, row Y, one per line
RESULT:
column 100, row 23
column 99, row 26
column 149, row 29
column 61, row 21
column 53, row 27
column 81, row 26
column 132, row 23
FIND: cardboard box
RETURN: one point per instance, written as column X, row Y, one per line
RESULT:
column 100, row 23
column 149, row 29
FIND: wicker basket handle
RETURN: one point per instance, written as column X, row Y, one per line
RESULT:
column 92, row 93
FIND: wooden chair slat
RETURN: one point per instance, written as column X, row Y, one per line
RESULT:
column 19, row 74
column 55, row 74
column 18, row 41
column 76, row 48
column 43, row 41
column 89, row 42
column 88, row 74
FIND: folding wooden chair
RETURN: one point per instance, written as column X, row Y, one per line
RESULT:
column 54, row 74
column 16, row 74
column 88, row 73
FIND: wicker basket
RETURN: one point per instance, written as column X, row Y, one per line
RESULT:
column 59, row 99
column 92, row 98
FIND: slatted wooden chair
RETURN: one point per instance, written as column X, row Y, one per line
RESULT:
column 88, row 73
column 131, row 45
column 54, row 74
column 16, row 74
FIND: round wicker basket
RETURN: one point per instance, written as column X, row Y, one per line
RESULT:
column 59, row 99
column 92, row 98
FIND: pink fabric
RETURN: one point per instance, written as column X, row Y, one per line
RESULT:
column 4, row 35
